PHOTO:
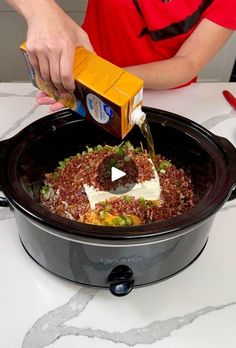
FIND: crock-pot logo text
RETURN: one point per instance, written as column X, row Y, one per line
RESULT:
column 118, row 260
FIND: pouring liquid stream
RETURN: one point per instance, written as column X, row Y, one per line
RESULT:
column 146, row 132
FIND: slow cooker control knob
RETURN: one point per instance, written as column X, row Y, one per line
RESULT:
column 121, row 280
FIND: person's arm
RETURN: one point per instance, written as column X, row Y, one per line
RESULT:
column 194, row 54
column 51, row 40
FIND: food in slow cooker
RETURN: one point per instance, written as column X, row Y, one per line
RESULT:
column 65, row 191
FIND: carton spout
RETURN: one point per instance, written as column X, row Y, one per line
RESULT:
column 138, row 116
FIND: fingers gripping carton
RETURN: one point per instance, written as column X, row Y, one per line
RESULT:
column 104, row 93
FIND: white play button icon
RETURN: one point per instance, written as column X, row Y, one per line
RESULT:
column 111, row 178
column 116, row 174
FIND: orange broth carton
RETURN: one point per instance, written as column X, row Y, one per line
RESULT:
column 104, row 93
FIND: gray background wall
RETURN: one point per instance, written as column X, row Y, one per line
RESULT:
column 13, row 32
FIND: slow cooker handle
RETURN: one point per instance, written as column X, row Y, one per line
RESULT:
column 233, row 195
column 3, row 200
column 230, row 151
column 121, row 280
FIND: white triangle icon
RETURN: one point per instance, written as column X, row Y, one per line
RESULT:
column 116, row 174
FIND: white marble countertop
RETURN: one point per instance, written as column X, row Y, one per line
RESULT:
column 194, row 309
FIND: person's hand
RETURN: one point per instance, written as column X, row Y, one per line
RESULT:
column 44, row 99
column 52, row 38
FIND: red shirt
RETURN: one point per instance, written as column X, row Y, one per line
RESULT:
column 131, row 32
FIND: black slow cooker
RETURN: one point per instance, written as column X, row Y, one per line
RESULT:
column 118, row 258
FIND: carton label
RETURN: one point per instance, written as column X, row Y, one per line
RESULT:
column 138, row 97
column 30, row 70
column 100, row 111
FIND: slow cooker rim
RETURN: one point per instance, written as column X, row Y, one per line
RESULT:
column 17, row 203
column 113, row 234
column 118, row 242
